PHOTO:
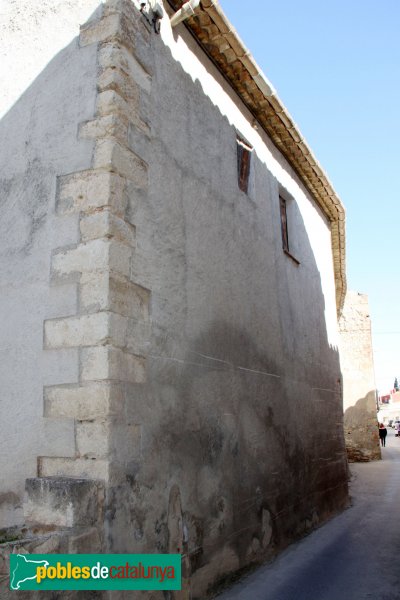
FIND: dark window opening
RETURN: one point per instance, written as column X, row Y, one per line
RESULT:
column 243, row 164
column 284, row 224
column 284, row 206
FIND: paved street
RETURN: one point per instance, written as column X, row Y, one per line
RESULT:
column 356, row 556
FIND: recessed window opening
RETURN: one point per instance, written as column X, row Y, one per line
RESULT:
column 287, row 209
column 243, row 164
column 284, row 224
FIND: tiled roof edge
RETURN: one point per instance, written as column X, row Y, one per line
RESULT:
column 219, row 40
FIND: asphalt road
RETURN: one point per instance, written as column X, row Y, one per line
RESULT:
column 355, row 556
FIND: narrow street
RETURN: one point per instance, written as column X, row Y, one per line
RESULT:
column 356, row 556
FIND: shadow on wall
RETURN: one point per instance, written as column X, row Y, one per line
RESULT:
column 361, row 430
column 40, row 132
column 241, row 414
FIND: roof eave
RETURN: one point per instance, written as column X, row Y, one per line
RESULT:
column 219, row 40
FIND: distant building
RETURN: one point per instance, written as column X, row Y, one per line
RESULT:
column 389, row 407
column 359, row 391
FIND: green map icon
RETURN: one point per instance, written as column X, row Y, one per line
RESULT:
column 24, row 569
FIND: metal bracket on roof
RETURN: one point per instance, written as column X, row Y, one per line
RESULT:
column 153, row 13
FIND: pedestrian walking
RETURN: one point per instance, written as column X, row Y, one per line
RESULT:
column 382, row 434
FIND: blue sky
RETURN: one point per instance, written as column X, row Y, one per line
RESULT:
column 336, row 67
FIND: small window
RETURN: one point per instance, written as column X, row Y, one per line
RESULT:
column 287, row 213
column 243, row 164
column 284, row 224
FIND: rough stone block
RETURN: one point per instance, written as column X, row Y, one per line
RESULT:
column 95, row 364
column 129, row 334
column 91, row 401
column 86, row 330
column 95, row 255
column 98, row 31
column 119, row 330
column 94, row 291
column 113, row 78
column 97, row 329
column 138, row 141
column 93, row 438
column 113, row 6
column 90, row 190
column 106, row 224
column 63, row 502
column 109, row 363
column 129, row 299
column 127, row 367
column 123, row 27
column 113, row 55
column 145, row 110
column 137, row 336
column 110, row 155
column 111, row 102
column 109, row 125
column 119, row 257
column 86, row 468
column 126, row 7
column 111, row 291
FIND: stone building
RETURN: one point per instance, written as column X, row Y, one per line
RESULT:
column 172, row 270
column 359, row 390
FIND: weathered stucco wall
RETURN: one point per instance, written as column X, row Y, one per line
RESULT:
column 359, row 392
column 241, row 412
column 198, row 367
column 31, row 35
column 39, row 141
